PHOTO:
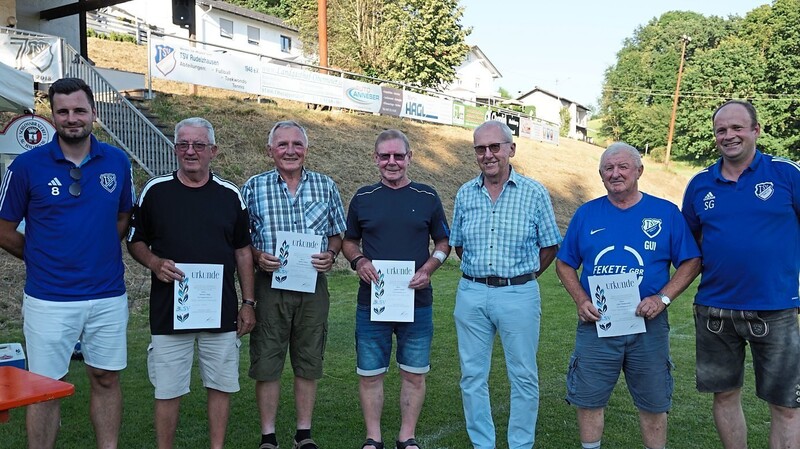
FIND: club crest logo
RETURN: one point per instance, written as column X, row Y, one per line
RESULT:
column 39, row 53
column 764, row 190
column 651, row 227
column 32, row 132
column 108, row 181
column 165, row 59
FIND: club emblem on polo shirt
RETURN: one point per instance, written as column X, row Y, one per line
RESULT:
column 651, row 227
column 109, row 181
column 764, row 190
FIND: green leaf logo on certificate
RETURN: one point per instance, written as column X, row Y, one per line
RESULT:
column 616, row 297
column 391, row 298
column 294, row 250
column 198, row 297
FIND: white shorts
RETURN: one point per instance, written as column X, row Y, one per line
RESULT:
column 52, row 328
column 170, row 357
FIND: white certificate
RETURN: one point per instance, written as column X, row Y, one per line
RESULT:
column 616, row 297
column 294, row 250
column 198, row 297
column 390, row 298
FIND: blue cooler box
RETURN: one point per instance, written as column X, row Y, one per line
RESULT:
column 11, row 354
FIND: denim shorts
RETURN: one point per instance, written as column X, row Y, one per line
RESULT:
column 774, row 339
column 644, row 358
column 374, row 343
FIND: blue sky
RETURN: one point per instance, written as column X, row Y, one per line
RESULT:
column 565, row 46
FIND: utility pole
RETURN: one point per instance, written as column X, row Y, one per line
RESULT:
column 322, row 32
column 684, row 40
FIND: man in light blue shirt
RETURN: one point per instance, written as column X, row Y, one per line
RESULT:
column 505, row 232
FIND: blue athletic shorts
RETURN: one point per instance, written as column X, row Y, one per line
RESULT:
column 374, row 343
column 644, row 358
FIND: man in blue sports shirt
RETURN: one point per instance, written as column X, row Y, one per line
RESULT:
column 75, row 195
column 744, row 212
column 504, row 230
column 394, row 219
column 626, row 232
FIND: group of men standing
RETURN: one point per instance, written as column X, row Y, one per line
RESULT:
column 742, row 215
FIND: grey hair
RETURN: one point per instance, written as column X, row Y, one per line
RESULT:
column 392, row 134
column 286, row 124
column 197, row 122
column 621, row 147
column 507, row 133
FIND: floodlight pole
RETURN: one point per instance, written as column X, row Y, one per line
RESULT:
column 684, row 40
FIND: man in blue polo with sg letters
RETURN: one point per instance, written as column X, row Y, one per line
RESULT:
column 75, row 195
column 624, row 238
column 745, row 212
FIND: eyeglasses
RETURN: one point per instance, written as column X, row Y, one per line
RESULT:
column 383, row 157
column 75, row 187
column 199, row 147
column 493, row 147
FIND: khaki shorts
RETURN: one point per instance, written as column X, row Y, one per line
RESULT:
column 288, row 320
column 170, row 357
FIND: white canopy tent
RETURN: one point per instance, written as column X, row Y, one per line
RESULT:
column 16, row 90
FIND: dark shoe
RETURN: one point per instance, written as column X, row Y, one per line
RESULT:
column 407, row 443
column 371, row 442
column 267, row 446
column 308, row 443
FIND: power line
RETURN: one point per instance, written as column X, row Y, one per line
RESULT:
column 707, row 95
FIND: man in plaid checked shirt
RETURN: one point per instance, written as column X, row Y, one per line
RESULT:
column 504, row 230
column 290, row 198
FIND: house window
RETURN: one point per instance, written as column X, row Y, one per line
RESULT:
column 477, row 83
column 226, row 28
column 286, row 44
column 253, row 35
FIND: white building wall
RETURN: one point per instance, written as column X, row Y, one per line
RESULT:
column 65, row 27
column 155, row 12
column 473, row 80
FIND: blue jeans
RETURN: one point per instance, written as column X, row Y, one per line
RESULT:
column 513, row 312
column 374, row 343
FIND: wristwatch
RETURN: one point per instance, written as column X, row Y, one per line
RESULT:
column 248, row 302
column 354, row 262
column 665, row 299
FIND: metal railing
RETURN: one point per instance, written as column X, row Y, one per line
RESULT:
column 118, row 117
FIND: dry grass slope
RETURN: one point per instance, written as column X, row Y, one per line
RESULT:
column 341, row 145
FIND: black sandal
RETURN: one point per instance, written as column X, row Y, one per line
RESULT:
column 406, row 443
column 371, row 442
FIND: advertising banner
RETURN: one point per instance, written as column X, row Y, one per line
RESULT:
column 176, row 61
column 427, row 108
column 474, row 115
column 38, row 55
column 301, row 85
column 391, row 101
column 459, row 113
column 361, row 96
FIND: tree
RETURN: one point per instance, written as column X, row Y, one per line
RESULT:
column 563, row 114
column 419, row 42
column 277, row 8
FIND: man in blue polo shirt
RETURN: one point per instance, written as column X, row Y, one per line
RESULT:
column 745, row 212
column 75, row 195
column 504, row 230
column 625, row 235
column 394, row 219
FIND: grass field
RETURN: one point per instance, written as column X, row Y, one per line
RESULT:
column 338, row 423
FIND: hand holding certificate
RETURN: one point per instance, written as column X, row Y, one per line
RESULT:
column 616, row 297
column 198, row 297
column 391, row 299
column 294, row 250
